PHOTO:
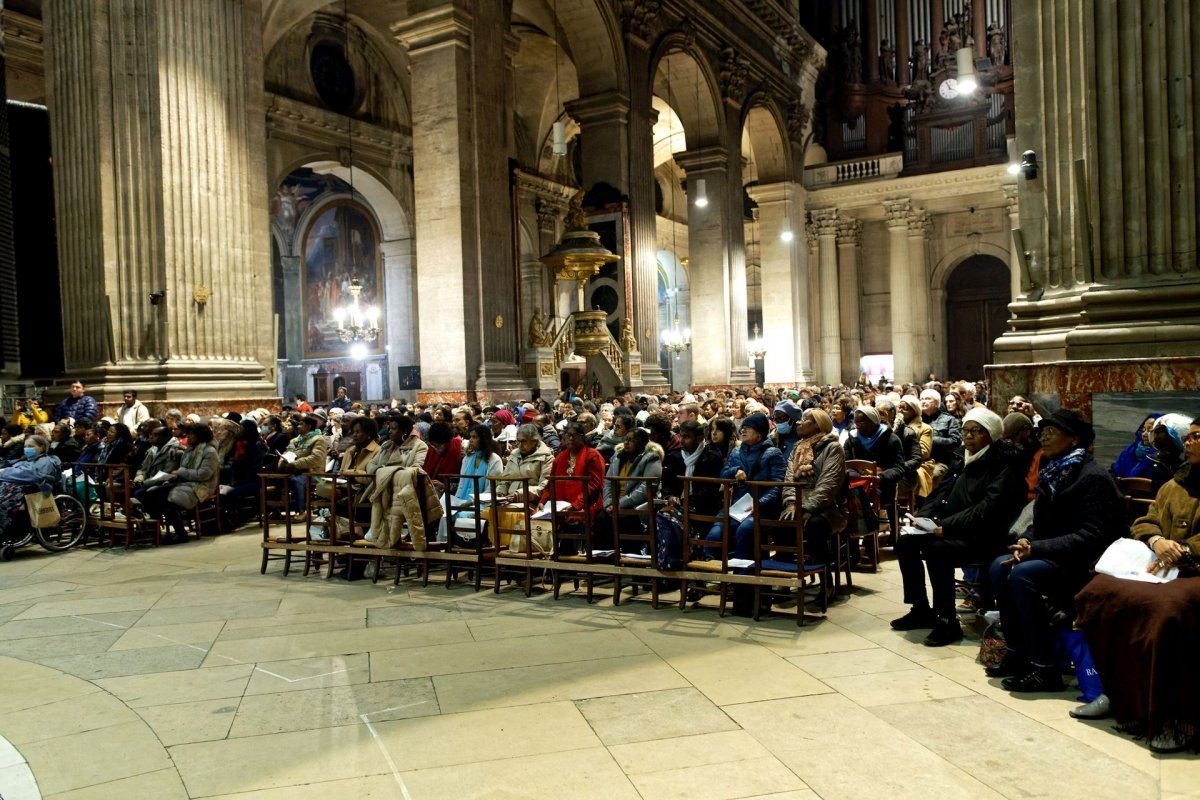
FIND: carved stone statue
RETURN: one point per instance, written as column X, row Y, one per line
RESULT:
column 628, row 340
column 286, row 207
column 887, row 61
column 996, row 44
column 541, row 331
column 920, row 61
column 852, row 53
column 576, row 218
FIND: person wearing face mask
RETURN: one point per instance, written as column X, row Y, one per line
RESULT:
column 785, row 436
column 36, row 471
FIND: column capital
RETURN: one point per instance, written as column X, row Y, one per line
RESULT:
column 920, row 223
column 1012, row 202
column 811, row 235
column 895, row 211
column 779, row 192
column 713, row 158
column 447, row 25
column 825, row 220
column 849, row 231
column 599, row 108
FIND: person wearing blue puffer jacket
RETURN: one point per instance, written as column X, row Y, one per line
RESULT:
column 756, row 460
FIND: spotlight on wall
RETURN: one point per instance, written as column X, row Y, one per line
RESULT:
column 786, row 235
column 701, row 194
column 157, row 297
column 967, row 82
column 1029, row 165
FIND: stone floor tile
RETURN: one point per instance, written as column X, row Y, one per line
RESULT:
column 185, row 686
column 60, row 626
column 580, row 774
column 1101, row 736
column 128, row 662
column 852, row 662
column 693, row 750
column 80, row 714
column 654, row 715
column 334, row 706
column 163, row 784
column 83, row 607
column 503, row 733
column 411, row 614
column 200, row 634
column 196, row 721
column 824, row 740
column 901, row 686
column 95, row 757
column 340, row 642
column 815, row 638
column 18, row 782
column 278, row 760
column 1180, row 772
column 36, row 648
column 746, row 778
column 1044, row 707
column 372, row 787
column 575, row 680
column 199, row 613
column 297, row 675
column 1049, row 759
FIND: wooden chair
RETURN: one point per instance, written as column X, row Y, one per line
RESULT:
column 869, row 475
column 523, row 556
column 403, row 553
column 1138, row 494
column 574, row 529
column 634, row 537
column 206, row 515
column 114, row 515
column 474, row 538
column 779, row 554
column 275, row 502
column 695, row 538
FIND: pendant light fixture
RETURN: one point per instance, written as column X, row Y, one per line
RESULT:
column 558, row 146
column 701, row 193
column 675, row 340
column 967, row 82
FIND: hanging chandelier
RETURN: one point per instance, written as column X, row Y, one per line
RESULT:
column 677, row 339
column 355, row 324
column 758, row 348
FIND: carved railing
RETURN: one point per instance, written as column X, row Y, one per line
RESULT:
column 614, row 353
column 870, row 168
column 563, row 344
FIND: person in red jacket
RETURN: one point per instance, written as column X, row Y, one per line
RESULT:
column 444, row 456
column 577, row 459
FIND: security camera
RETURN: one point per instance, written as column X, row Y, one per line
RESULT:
column 157, row 297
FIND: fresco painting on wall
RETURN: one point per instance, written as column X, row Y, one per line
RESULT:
column 341, row 245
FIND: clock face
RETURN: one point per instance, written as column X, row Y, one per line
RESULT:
column 948, row 88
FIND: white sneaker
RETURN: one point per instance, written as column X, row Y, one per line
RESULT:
column 369, row 535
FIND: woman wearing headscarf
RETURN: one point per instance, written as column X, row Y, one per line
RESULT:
column 910, row 417
column 1134, row 461
column 819, row 463
column 871, row 440
column 972, row 522
column 1169, row 432
column 1078, row 512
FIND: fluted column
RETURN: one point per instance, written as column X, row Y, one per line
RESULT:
column 849, row 245
column 812, row 299
column 826, row 222
column 157, row 131
column 294, row 379
column 463, row 203
column 919, row 228
column 900, row 285
column 710, row 274
column 1012, row 205
column 400, row 325
column 784, row 280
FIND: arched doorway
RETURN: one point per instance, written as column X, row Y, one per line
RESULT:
column 977, row 297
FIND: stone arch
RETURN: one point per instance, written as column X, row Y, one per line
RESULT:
column 951, row 260
column 765, row 141
column 686, row 81
column 590, row 33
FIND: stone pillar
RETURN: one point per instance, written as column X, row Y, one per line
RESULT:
column 294, row 379
column 400, row 314
column 849, row 245
column 710, row 271
column 1012, row 205
column 812, row 300
column 784, row 280
column 900, row 284
column 919, row 227
column 157, row 131
column 463, row 204
column 826, row 221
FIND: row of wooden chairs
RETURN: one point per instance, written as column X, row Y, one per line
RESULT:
column 501, row 537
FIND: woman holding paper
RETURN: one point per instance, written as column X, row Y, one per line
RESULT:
column 968, row 526
column 756, row 460
column 1143, row 635
column 579, row 460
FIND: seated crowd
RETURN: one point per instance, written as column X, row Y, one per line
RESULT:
column 1018, row 503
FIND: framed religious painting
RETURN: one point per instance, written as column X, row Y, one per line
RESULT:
column 341, row 250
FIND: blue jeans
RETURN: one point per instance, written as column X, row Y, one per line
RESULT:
column 743, row 542
column 300, row 489
column 1020, row 589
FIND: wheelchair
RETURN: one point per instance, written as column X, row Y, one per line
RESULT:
column 63, row 536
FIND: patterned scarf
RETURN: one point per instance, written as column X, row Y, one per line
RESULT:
column 802, row 454
column 1059, row 472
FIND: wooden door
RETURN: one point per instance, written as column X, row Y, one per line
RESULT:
column 977, row 297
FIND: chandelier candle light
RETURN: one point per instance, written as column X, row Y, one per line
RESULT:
column 356, row 325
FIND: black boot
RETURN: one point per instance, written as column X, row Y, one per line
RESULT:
column 1037, row 679
column 947, row 631
column 920, row 617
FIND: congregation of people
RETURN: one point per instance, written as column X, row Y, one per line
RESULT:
column 1017, row 503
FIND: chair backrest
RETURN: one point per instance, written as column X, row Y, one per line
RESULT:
column 1138, row 494
column 778, row 536
column 469, row 528
column 520, row 504
column 642, row 534
column 273, row 495
column 112, row 482
column 582, row 533
column 696, row 526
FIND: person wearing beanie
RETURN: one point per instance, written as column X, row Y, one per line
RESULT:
column 971, row 526
column 1078, row 512
column 785, row 416
column 871, row 440
column 756, row 460
column 1027, row 450
column 819, row 463
column 909, row 416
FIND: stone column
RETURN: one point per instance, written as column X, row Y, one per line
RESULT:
column 812, row 300
column 1012, row 205
column 463, row 204
column 710, row 271
column 784, row 280
column 826, row 221
column 900, row 284
column 294, row 379
column 400, row 315
column 849, row 245
column 157, row 130
column 919, row 228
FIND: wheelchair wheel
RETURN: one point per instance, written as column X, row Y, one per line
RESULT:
column 70, row 528
column 7, row 552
